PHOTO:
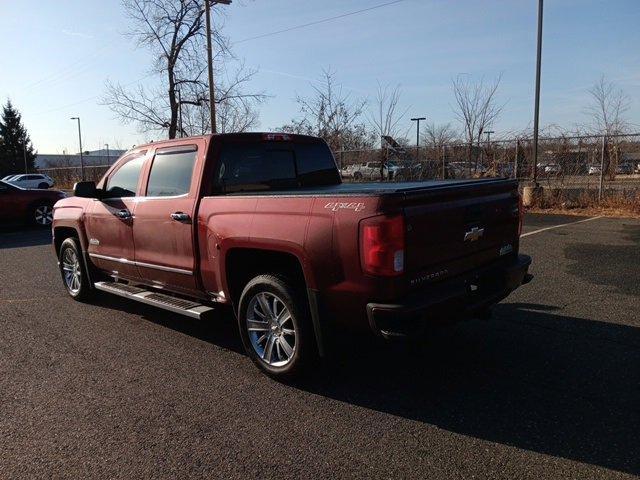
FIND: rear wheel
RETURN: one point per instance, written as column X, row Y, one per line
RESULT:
column 42, row 214
column 72, row 269
column 275, row 326
column 43, row 185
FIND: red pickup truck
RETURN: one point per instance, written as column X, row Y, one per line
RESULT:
column 262, row 223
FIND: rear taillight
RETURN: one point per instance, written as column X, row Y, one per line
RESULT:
column 520, row 215
column 382, row 245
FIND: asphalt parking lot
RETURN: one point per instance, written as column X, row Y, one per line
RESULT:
column 548, row 388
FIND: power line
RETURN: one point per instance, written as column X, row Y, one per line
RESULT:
column 277, row 32
column 317, row 22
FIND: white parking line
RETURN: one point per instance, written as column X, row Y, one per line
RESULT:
column 558, row 226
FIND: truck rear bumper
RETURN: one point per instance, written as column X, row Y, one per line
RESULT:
column 458, row 297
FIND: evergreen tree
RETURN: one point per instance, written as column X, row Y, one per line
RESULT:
column 15, row 143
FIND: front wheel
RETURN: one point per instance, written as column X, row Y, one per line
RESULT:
column 275, row 326
column 73, row 270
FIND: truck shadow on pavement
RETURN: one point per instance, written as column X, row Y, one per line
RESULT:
column 531, row 378
column 19, row 237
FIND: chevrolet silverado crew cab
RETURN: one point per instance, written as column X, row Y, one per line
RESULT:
column 262, row 223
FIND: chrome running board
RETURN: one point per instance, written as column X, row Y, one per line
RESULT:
column 160, row 300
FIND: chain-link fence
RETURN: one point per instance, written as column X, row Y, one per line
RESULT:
column 568, row 167
column 65, row 177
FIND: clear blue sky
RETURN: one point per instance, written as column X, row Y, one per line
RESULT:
column 56, row 56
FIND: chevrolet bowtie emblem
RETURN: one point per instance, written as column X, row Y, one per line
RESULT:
column 474, row 234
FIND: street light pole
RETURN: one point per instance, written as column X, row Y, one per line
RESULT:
column 108, row 157
column 212, row 103
column 80, row 142
column 417, row 120
column 536, row 113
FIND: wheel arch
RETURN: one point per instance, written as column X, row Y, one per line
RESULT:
column 61, row 233
column 242, row 264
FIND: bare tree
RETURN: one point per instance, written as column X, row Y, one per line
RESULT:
column 438, row 135
column 608, row 106
column 174, row 32
column 386, row 117
column 475, row 108
column 607, row 111
column 333, row 115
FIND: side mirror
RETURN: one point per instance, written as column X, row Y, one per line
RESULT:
column 85, row 190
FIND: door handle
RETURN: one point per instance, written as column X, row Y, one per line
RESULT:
column 123, row 214
column 180, row 217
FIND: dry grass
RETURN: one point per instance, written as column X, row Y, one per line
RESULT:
column 613, row 204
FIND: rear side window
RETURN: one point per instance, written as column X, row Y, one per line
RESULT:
column 171, row 172
column 261, row 166
column 124, row 182
column 255, row 167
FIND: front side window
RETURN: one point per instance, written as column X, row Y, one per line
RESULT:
column 171, row 172
column 124, row 182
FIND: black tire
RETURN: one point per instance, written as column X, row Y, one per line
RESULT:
column 41, row 214
column 304, row 348
column 357, row 176
column 70, row 249
column 43, row 185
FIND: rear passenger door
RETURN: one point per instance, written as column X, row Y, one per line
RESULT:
column 164, row 226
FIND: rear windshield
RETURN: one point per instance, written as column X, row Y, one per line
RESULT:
column 260, row 166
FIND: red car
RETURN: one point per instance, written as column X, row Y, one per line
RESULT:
column 262, row 223
column 23, row 205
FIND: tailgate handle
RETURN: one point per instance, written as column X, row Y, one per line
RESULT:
column 180, row 217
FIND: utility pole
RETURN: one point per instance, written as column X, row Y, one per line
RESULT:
column 108, row 157
column 80, row 141
column 24, row 151
column 536, row 114
column 180, row 112
column 212, row 102
column 417, row 120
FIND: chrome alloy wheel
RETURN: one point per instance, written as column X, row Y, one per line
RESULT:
column 71, row 271
column 43, row 215
column 271, row 329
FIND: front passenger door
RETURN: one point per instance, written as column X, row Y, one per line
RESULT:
column 110, row 221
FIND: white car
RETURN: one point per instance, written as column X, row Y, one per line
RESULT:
column 594, row 170
column 552, row 169
column 31, row 180
column 369, row 171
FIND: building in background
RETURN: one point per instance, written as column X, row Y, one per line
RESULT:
column 91, row 158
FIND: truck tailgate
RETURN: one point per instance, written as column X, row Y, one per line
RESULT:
column 459, row 227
